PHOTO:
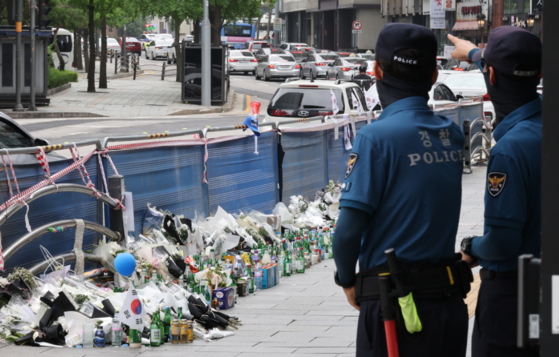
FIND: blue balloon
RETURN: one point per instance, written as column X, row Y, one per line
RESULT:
column 125, row 264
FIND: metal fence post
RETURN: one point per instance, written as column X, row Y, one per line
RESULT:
column 116, row 190
column 163, row 72
column 135, row 65
column 467, row 148
column 116, row 65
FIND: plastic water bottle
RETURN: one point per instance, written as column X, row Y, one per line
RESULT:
column 258, row 276
column 117, row 330
column 281, row 262
column 88, row 334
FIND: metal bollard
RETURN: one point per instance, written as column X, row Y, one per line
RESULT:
column 116, row 66
column 467, row 148
column 489, row 136
column 163, row 72
column 135, row 65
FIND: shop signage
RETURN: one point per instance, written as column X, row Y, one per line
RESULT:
column 437, row 9
column 468, row 11
column 537, row 6
column 449, row 5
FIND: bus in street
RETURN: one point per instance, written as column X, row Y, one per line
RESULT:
column 237, row 34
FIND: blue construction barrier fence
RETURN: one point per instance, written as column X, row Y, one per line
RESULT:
column 290, row 161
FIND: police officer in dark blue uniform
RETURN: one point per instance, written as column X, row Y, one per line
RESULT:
column 403, row 191
column 511, row 66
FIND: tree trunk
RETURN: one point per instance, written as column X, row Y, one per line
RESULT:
column 103, row 69
column 257, row 28
column 268, row 28
column 58, row 54
column 197, row 30
column 78, row 51
column 85, row 50
column 178, row 52
column 91, row 72
column 215, row 20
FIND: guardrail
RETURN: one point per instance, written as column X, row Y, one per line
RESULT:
column 158, row 71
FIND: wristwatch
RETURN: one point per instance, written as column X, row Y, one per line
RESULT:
column 466, row 246
column 345, row 286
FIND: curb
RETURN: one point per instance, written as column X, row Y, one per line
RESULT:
column 52, row 115
column 58, row 89
column 231, row 97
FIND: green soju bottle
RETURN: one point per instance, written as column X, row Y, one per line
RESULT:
column 155, row 331
column 287, row 264
column 167, row 322
column 301, row 262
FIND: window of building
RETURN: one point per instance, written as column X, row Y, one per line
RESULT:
column 511, row 6
column 110, row 29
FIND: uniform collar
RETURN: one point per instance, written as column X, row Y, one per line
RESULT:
column 410, row 103
column 524, row 112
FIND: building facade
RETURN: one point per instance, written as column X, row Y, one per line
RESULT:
column 328, row 23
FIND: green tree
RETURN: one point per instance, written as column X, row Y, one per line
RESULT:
column 223, row 12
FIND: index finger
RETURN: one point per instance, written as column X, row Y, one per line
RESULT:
column 453, row 39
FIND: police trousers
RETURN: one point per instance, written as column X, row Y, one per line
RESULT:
column 494, row 332
column 444, row 334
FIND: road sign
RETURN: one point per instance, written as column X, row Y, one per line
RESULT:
column 356, row 31
column 357, row 26
column 278, row 21
column 277, row 27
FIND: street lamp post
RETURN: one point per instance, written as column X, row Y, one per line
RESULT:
column 481, row 24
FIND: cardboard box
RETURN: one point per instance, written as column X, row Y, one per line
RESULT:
column 225, row 297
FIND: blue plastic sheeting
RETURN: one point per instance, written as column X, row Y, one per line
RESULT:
column 305, row 164
column 338, row 156
column 239, row 179
column 167, row 177
column 51, row 208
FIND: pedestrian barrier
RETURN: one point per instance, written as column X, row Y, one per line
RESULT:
column 153, row 69
column 126, row 64
column 181, row 175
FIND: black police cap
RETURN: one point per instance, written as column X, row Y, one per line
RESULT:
column 512, row 50
column 396, row 36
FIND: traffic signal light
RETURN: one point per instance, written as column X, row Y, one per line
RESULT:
column 43, row 12
column 12, row 6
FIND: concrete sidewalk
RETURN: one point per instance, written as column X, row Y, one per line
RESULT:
column 304, row 315
column 147, row 96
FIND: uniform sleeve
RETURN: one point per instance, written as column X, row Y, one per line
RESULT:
column 365, row 177
column 479, row 64
column 505, row 193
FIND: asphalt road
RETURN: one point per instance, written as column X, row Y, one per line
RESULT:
column 73, row 130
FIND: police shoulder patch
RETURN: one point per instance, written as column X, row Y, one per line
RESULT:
column 351, row 164
column 496, row 183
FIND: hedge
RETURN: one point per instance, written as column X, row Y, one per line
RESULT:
column 58, row 78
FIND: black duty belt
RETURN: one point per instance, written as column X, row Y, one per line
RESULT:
column 440, row 280
column 486, row 274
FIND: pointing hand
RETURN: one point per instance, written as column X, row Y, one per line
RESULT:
column 462, row 48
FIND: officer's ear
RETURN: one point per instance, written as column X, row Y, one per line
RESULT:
column 378, row 71
column 492, row 76
column 435, row 76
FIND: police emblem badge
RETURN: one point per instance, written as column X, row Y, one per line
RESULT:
column 496, row 183
column 351, row 164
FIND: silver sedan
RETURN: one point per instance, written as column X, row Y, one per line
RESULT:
column 316, row 65
column 277, row 66
column 242, row 61
column 345, row 68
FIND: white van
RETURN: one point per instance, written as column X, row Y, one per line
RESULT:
column 65, row 41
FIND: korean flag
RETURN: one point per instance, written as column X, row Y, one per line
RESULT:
column 335, row 108
column 132, row 312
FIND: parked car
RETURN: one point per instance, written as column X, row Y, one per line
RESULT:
column 290, row 45
column 158, row 48
column 112, row 45
column 439, row 94
column 242, row 61
column 255, row 45
column 132, row 45
column 470, row 85
column 267, row 51
column 277, row 66
column 316, row 65
column 345, row 68
column 304, row 99
column 367, row 56
column 146, row 38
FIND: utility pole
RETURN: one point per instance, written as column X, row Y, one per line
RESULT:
column 206, row 58
column 19, row 18
column 32, row 107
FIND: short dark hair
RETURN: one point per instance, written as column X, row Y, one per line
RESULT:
column 406, row 72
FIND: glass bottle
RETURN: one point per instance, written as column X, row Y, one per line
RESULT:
column 208, row 293
column 288, row 264
column 154, row 278
column 234, row 285
column 88, row 334
column 331, row 248
column 167, row 321
column 179, row 314
column 250, row 279
column 212, row 258
column 301, row 262
column 258, row 276
column 117, row 332
column 155, row 331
